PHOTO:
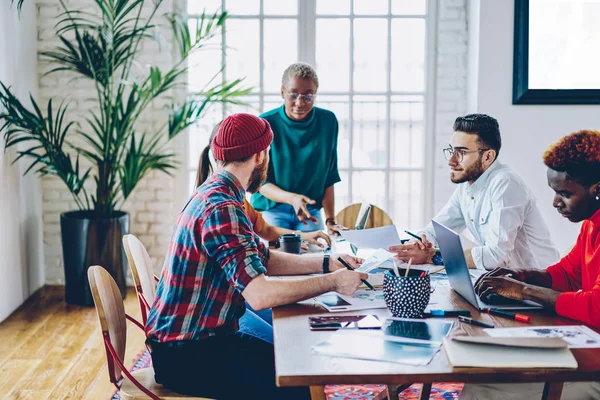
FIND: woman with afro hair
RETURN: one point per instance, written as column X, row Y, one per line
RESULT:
column 572, row 286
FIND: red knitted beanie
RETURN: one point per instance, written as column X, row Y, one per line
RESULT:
column 240, row 136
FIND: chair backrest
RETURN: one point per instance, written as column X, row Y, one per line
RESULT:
column 141, row 269
column 111, row 313
column 377, row 217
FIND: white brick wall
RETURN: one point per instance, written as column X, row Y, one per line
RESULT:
column 151, row 204
column 451, row 87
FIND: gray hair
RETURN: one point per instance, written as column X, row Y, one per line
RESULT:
column 300, row 70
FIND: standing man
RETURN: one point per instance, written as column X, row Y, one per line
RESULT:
column 303, row 164
column 491, row 201
column 215, row 262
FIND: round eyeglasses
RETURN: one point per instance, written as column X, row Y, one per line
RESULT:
column 308, row 98
column 459, row 154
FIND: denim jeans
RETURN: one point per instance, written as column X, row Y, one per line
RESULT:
column 284, row 216
column 257, row 324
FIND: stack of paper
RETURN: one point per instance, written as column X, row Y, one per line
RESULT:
column 489, row 352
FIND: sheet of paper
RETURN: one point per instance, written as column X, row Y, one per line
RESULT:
column 360, row 300
column 375, row 238
column 375, row 260
column 354, row 344
column 577, row 336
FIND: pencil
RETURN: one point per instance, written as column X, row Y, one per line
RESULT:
column 408, row 268
column 345, row 264
column 437, row 270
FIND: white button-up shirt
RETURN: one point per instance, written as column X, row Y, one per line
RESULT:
column 501, row 213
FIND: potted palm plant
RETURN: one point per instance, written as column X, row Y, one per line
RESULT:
column 102, row 45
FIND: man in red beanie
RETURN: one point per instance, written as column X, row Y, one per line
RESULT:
column 214, row 264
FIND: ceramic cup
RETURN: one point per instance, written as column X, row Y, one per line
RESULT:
column 406, row 297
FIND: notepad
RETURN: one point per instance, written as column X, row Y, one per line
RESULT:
column 488, row 352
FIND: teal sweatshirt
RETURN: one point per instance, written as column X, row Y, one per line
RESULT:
column 303, row 156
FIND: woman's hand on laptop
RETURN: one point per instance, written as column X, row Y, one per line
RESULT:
column 511, row 273
column 502, row 285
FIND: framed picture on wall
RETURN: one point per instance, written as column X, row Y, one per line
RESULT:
column 556, row 52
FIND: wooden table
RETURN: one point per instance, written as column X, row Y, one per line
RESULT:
column 297, row 365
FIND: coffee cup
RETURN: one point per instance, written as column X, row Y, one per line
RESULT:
column 290, row 243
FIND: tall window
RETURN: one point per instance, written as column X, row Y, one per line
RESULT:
column 370, row 58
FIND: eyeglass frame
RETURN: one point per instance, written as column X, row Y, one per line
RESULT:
column 462, row 153
column 307, row 98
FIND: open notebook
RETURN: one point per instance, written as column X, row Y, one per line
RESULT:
column 489, row 352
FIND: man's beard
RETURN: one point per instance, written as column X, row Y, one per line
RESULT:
column 258, row 177
column 470, row 174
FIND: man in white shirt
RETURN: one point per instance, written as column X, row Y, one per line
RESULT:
column 491, row 201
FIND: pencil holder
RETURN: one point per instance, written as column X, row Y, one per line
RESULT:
column 406, row 297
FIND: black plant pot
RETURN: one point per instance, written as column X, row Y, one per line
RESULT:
column 89, row 240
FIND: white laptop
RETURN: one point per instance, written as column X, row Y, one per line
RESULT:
column 460, row 279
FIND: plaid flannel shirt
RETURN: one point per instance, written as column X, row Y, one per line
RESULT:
column 212, row 256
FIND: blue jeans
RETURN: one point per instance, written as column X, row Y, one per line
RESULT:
column 284, row 216
column 257, row 324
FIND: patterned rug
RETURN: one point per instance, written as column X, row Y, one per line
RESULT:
column 439, row 391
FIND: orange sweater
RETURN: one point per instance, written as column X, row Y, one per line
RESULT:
column 578, row 276
column 258, row 222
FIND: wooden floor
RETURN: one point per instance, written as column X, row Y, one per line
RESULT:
column 51, row 350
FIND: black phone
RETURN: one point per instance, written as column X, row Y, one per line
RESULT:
column 333, row 322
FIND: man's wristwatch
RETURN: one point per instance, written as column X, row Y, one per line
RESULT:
column 326, row 264
column 330, row 221
column 437, row 258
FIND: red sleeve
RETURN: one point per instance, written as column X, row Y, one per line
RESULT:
column 581, row 306
column 566, row 274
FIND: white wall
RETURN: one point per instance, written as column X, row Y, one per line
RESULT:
column 21, row 247
column 526, row 130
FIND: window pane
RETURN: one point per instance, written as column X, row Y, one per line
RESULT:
column 241, row 7
column 369, row 186
column 408, row 55
column 271, row 102
column 407, row 135
column 371, row 7
column 406, row 199
column 333, row 7
column 198, row 7
column 281, row 50
column 340, row 107
column 242, row 41
column 251, row 106
column 342, row 198
column 279, row 7
column 369, row 133
column 412, row 7
column 370, row 49
column 199, row 133
column 203, row 64
column 333, row 55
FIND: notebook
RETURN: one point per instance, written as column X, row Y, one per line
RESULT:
column 488, row 352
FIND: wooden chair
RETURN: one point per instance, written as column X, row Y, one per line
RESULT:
column 377, row 217
column 134, row 385
column 143, row 274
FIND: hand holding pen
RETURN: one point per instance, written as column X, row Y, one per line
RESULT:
column 345, row 264
column 421, row 241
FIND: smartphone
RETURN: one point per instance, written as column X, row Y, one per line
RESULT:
column 344, row 322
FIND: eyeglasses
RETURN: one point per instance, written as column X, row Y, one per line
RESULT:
column 308, row 98
column 459, row 153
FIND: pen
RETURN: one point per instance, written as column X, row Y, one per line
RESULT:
column 415, row 236
column 345, row 264
column 472, row 321
column 516, row 317
column 448, row 313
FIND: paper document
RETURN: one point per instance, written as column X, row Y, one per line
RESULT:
column 375, row 238
column 490, row 355
column 577, row 336
column 375, row 260
column 360, row 300
column 355, row 344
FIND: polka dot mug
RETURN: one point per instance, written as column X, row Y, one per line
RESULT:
column 406, row 297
